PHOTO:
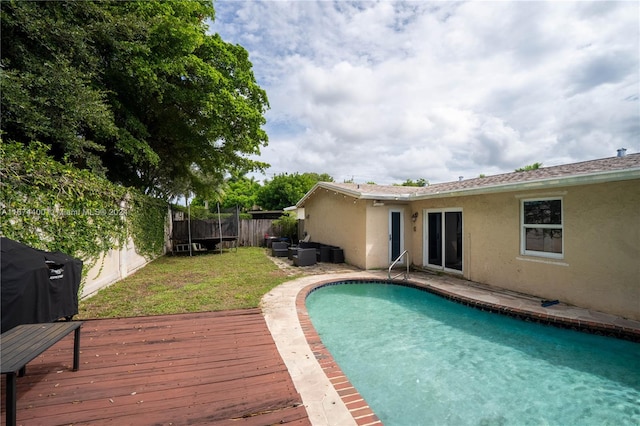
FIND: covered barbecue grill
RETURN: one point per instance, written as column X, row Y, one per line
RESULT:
column 37, row 286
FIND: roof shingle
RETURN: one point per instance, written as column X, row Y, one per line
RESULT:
column 565, row 172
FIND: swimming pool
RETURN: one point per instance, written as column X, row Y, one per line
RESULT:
column 420, row 359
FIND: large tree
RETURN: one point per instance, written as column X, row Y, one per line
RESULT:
column 50, row 88
column 242, row 192
column 137, row 90
column 285, row 190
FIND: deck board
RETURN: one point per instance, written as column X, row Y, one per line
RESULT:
column 207, row 368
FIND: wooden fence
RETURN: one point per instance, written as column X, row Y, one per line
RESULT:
column 252, row 231
column 249, row 232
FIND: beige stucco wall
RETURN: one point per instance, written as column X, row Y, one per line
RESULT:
column 335, row 219
column 601, row 265
column 358, row 226
column 378, row 252
column 377, row 242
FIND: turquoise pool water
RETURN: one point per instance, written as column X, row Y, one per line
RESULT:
column 419, row 359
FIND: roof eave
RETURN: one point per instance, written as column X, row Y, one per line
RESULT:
column 589, row 179
column 387, row 197
column 327, row 186
column 586, row 179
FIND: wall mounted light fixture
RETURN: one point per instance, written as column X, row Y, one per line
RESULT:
column 414, row 216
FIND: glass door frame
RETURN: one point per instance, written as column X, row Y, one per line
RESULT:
column 400, row 236
column 442, row 239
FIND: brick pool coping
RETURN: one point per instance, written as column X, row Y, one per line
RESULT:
column 357, row 405
column 545, row 318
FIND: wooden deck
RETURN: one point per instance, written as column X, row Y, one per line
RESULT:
column 208, row 368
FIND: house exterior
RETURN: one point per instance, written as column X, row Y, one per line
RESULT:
column 569, row 232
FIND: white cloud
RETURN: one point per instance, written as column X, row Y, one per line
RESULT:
column 388, row 91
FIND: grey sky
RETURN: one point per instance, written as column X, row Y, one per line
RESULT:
column 388, row 91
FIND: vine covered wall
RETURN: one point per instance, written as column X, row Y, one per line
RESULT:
column 57, row 207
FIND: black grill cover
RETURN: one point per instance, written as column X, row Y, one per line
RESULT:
column 37, row 286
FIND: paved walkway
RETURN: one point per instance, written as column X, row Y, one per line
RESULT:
column 325, row 405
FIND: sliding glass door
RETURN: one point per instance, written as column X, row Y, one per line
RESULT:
column 443, row 240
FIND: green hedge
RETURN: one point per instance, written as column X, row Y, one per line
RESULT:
column 56, row 207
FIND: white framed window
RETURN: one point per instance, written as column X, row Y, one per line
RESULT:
column 542, row 227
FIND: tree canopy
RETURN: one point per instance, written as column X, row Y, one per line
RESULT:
column 285, row 190
column 137, row 91
column 534, row 166
column 411, row 182
column 242, row 192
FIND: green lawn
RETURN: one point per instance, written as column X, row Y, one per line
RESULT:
column 179, row 284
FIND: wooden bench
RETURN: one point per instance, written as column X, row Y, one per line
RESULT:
column 22, row 344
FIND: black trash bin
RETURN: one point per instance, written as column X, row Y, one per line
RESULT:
column 337, row 255
column 268, row 241
column 37, row 286
column 324, row 254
